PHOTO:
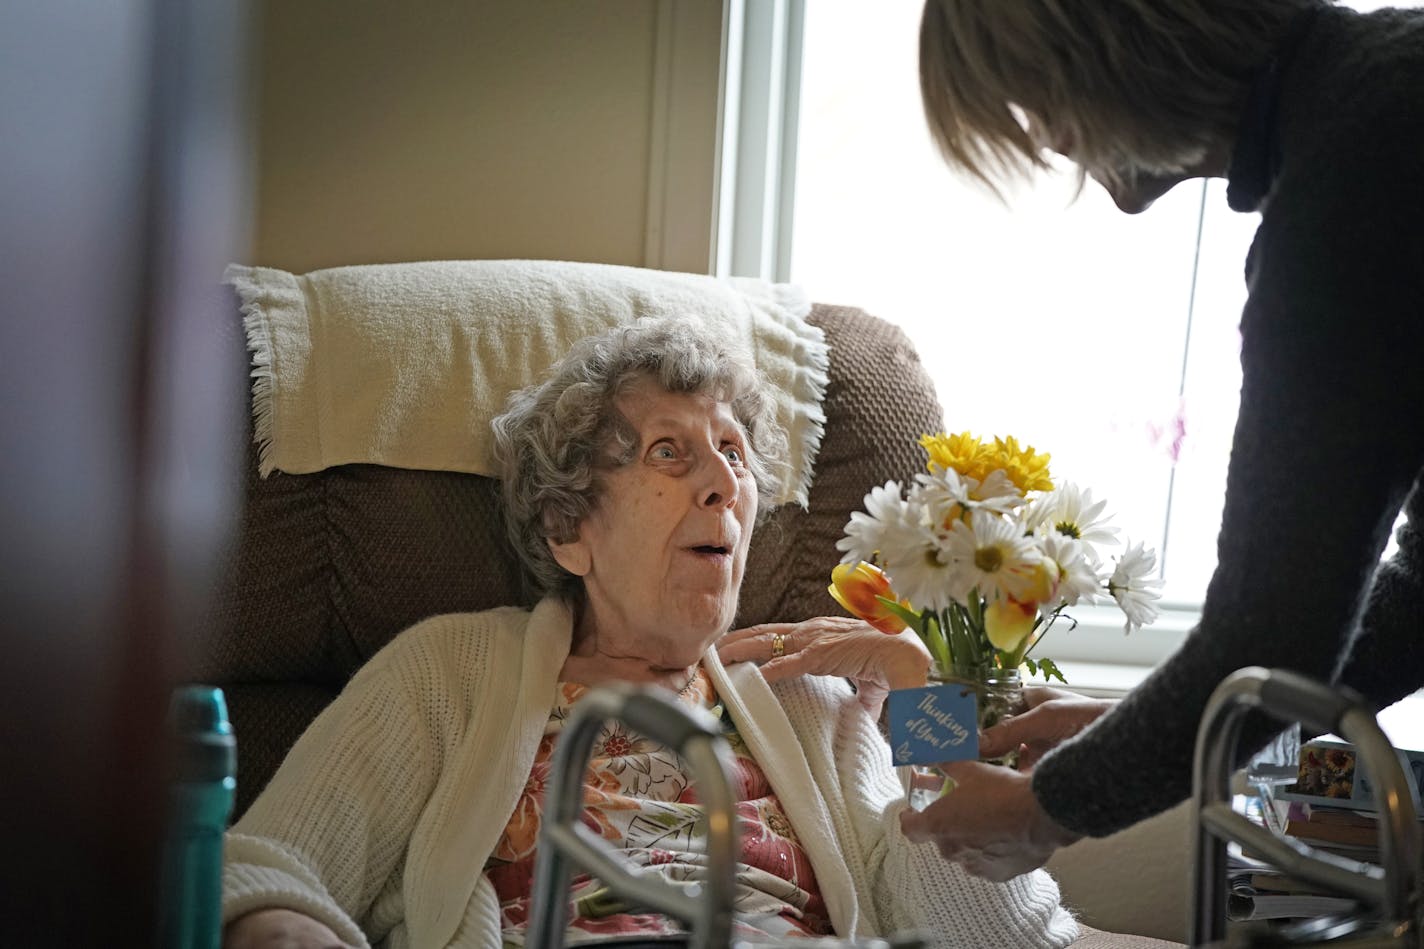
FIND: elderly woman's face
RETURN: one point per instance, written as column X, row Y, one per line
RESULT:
column 661, row 554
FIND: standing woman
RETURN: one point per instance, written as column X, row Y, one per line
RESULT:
column 1315, row 116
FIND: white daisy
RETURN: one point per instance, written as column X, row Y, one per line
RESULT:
column 994, row 555
column 1071, row 511
column 1078, row 582
column 1133, row 588
column 947, row 495
column 923, row 578
column 885, row 510
column 941, row 490
column 996, row 493
column 914, row 557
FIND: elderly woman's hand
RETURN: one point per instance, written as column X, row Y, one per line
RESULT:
column 990, row 823
column 1052, row 716
column 833, row 646
column 279, row 929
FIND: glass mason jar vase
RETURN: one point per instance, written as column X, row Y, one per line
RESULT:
column 999, row 695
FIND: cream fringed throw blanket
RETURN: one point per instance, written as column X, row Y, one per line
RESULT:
column 405, row 364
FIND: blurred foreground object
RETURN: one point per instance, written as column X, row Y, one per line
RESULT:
column 123, row 193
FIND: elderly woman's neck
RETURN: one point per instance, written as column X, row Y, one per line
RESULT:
column 598, row 656
column 598, row 668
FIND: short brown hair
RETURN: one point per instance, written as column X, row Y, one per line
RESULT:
column 1138, row 84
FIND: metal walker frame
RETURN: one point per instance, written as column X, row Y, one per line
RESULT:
column 564, row 842
column 1390, row 892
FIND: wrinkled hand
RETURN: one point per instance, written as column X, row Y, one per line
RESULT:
column 990, row 823
column 834, row 646
column 279, row 929
column 1052, row 717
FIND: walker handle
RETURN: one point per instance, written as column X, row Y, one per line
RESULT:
column 697, row 736
column 1393, row 889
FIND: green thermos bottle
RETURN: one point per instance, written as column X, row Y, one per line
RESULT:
column 201, row 797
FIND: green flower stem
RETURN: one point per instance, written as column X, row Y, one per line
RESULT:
column 1012, row 660
column 933, row 636
column 958, row 647
column 927, row 625
column 1032, row 640
column 974, row 623
column 975, row 608
column 968, row 651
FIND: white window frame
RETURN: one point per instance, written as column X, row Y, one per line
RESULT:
column 757, row 121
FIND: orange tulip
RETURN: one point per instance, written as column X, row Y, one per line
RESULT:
column 856, row 586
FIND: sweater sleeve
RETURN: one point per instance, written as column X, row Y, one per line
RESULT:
column 328, row 835
column 1329, row 439
column 910, row 886
column 1388, row 652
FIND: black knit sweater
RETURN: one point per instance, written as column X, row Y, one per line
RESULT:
column 1330, row 436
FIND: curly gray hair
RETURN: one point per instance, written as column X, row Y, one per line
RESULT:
column 555, row 436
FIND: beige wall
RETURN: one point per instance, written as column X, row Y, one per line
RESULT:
column 432, row 129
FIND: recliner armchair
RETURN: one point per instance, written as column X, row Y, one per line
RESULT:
column 327, row 567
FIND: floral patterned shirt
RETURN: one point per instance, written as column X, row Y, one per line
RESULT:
column 639, row 797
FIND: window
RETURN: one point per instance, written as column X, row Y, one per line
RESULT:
column 1106, row 339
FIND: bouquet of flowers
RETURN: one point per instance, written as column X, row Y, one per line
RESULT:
column 982, row 555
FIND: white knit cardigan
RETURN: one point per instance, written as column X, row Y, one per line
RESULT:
column 381, row 818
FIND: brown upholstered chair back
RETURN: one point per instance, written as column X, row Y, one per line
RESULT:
column 328, row 567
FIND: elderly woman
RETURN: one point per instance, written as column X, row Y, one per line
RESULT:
column 1312, row 114
column 408, row 813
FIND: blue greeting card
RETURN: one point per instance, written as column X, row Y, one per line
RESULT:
column 933, row 724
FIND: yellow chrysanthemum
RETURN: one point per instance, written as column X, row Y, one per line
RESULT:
column 965, row 453
column 1026, row 468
